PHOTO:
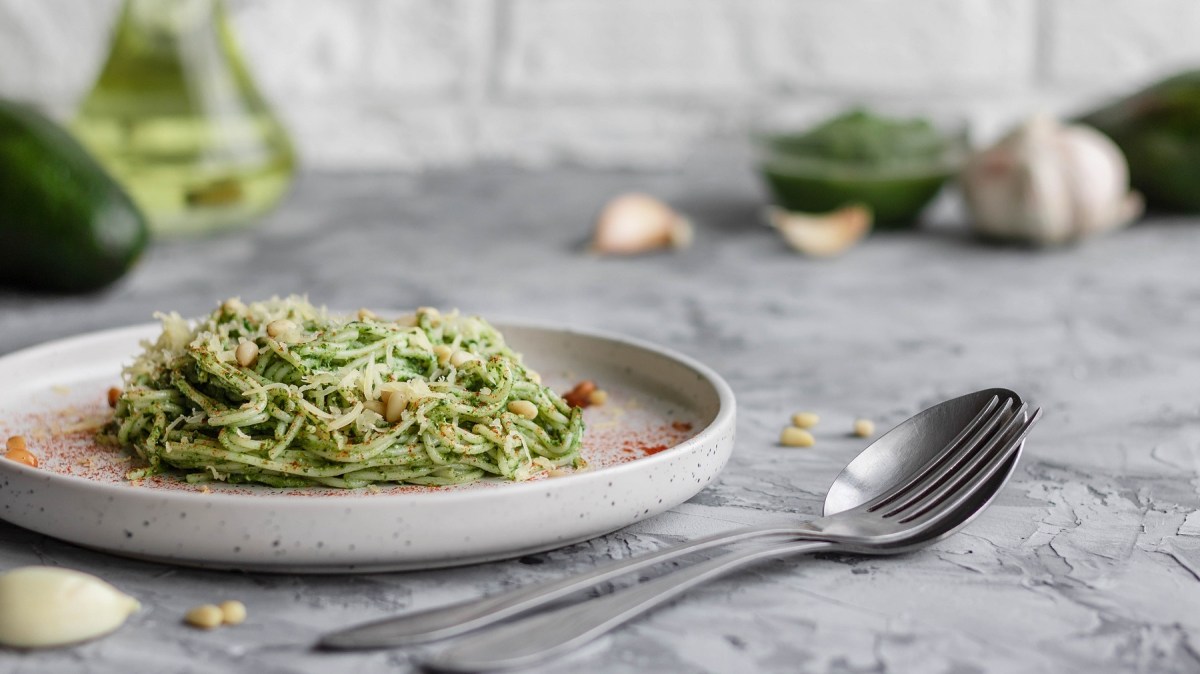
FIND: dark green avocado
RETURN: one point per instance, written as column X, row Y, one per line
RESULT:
column 65, row 224
column 1158, row 129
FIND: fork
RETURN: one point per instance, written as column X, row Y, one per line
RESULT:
column 941, row 497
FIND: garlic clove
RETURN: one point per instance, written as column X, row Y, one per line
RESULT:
column 44, row 606
column 822, row 235
column 637, row 223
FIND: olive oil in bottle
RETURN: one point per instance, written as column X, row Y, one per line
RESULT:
column 177, row 119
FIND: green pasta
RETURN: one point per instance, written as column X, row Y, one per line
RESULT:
column 283, row 394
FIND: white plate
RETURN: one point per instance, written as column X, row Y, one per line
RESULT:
column 665, row 433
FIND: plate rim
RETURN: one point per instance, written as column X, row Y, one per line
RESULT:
column 725, row 415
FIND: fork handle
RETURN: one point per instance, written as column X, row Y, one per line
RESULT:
column 446, row 621
column 527, row 641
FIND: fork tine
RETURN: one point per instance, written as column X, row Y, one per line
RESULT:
column 990, row 459
column 954, row 464
column 968, row 438
column 965, row 461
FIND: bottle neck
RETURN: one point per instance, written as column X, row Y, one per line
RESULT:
column 176, row 56
column 166, row 24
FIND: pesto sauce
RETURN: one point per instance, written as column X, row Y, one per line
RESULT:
column 894, row 166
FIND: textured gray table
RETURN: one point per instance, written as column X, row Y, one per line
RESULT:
column 1090, row 560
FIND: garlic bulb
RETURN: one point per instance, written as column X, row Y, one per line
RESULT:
column 49, row 606
column 822, row 235
column 1046, row 183
column 637, row 223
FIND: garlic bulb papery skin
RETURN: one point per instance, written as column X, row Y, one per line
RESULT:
column 637, row 223
column 43, row 606
column 1047, row 183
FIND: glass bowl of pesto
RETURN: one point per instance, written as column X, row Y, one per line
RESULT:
column 894, row 165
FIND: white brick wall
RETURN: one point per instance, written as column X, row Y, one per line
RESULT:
column 394, row 49
column 1121, row 45
column 48, row 59
column 410, row 84
column 605, row 49
column 890, row 46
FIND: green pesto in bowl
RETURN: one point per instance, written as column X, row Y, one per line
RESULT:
column 894, row 166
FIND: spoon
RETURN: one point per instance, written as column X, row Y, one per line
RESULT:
column 911, row 512
column 893, row 459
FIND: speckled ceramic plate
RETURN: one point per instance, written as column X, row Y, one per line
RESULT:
column 665, row 433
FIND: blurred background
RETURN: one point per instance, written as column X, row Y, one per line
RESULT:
column 419, row 84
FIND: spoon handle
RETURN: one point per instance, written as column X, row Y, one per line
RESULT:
column 530, row 640
column 455, row 619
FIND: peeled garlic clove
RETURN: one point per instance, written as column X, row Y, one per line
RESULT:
column 48, row 606
column 637, row 223
column 822, row 235
column 1046, row 183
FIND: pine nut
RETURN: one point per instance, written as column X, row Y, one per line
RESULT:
column 443, row 354
column 377, row 406
column 246, row 354
column 864, row 428
column 114, row 394
column 396, row 404
column 598, row 397
column 461, row 358
column 280, row 327
column 205, row 616
column 233, row 306
column 15, row 442
column 367, row 315
column 233, row 612
column 805, row 419
column 796, row 437
column 22, row 455
column 523, row 408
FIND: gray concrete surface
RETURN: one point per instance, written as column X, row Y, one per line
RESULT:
column 1089, row 561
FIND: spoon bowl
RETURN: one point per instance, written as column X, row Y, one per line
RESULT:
column 903, row 451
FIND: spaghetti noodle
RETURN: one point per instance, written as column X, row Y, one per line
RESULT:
column 284, row 394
